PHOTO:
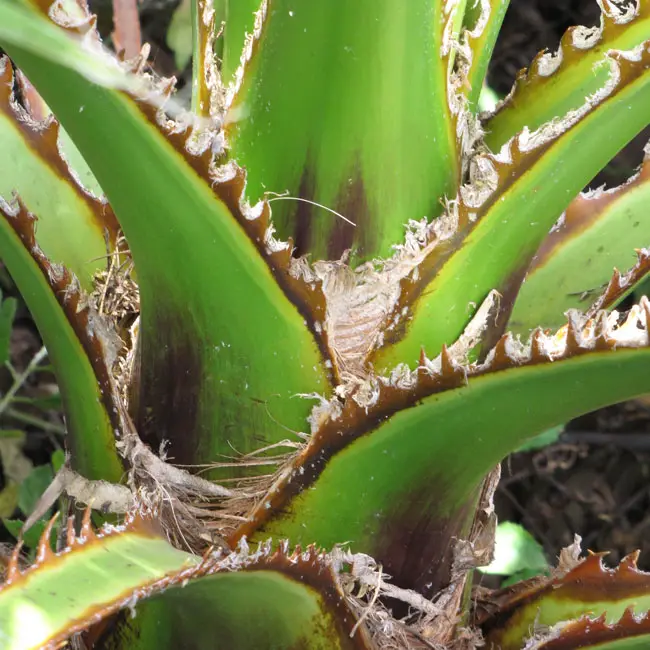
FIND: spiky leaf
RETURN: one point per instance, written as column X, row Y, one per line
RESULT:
column 413, row 459
column 370, row 136
column 598, row 233
column 489, row 238
column 296, row 599
column 208, row 346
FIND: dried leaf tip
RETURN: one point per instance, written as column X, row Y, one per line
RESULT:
column 621, row 284
column 44, row 550
column 13, row 568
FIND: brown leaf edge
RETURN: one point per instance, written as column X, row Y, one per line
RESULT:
column 95, row 335
column 530, row 82
column 584, row 211
column 491, row 176
column 621, row 284
column 337, row 425
column 199, row 141
column 312, row 567
column 589, row 632
column 588, row 582
column 43, row 139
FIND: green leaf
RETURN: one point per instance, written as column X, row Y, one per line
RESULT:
column 90, row 433
column 296, row 599
column 515, row 550
column 415, row 458
column 238, row 18
column 505, row 214
column 8, row 308
column 179, row 34
column 48, row 403
column 482, row 22
column 216, row 613
column 8, row 499
column 57, row 595
column 375, row 143
column 589, row 589
column 208, row 346
column 33, row 487
column 74, row 227
column 57, row 460
column 30, row 537
column 580, row 72
column 598, row 233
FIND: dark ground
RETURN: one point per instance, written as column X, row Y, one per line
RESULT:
column 595, row 481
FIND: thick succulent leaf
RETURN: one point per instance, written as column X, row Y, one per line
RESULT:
column 215, row 322
column 98, row 575
column 74, row 227
column 629, row 633
column 482, row 22
column 567, row 78
column 491, row 234
column 598, row 233
column 345, row 104
column 514, row 615
column 274, row 602
column 396, row 471
column 74, row 337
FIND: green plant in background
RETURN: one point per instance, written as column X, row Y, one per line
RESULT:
column 347, row 374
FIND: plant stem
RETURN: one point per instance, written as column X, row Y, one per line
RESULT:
column 21, row 379
column 36, row 421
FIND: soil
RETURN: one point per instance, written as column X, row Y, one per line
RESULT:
column 594, row 481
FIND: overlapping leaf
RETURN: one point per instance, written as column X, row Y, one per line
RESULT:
column 414, row 459
column 513, row 616
column 566, row 79
column 75, row 228
column 370, row 136
column 295, row 596
column 598, row 233
column 208, row 347
column 482, row 22
column 489, row 237
column 77, row 340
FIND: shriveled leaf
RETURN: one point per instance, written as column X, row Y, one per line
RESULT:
column 413, row 450
column 375, row 143
column 490, row 236
column 598, row 233
column 210, row 371
column 567, row 78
